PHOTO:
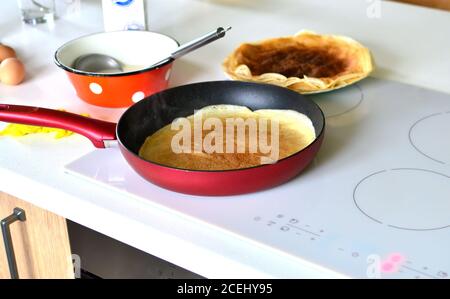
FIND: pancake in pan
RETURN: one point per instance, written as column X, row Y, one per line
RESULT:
column 295, row 132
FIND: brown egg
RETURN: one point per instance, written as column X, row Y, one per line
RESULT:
column 6, row 52
column 12, row 71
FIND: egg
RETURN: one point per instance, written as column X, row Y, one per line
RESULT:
column 6, row 52
column 12, row 71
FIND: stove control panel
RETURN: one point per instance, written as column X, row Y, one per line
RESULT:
column 366, row 262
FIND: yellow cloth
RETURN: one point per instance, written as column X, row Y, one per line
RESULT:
column 18, row 130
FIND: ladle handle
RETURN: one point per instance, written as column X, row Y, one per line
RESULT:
column 197, row 43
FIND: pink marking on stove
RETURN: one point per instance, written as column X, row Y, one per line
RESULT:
column 388, row 267
column 396, row 258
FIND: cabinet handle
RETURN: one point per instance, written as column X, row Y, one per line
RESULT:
column 18, row 214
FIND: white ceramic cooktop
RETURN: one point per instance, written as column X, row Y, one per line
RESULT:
column 375, row 203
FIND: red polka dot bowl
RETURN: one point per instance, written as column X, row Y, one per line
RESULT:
column 136, row 51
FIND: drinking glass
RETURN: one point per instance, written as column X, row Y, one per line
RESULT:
column 37, row 11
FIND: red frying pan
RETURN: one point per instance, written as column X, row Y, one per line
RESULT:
column 149, row 115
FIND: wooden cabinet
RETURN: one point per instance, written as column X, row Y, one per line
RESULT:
column 41, row 243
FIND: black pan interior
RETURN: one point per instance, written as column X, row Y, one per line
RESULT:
column 160, row 109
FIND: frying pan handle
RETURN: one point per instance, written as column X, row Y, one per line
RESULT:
column 97, row 131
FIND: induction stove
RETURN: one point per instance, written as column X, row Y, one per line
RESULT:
column 375, row 203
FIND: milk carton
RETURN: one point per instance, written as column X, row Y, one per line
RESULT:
column 124, row 15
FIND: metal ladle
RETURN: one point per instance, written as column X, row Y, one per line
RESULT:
column 101, row 63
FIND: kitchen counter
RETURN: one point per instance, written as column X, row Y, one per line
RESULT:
column 407, row 43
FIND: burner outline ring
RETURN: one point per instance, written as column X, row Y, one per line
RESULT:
column 411, row 139
column 389, row 225
column 361, row 99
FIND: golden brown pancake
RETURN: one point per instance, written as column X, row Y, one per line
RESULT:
column 295, row 133
column 306, row 62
